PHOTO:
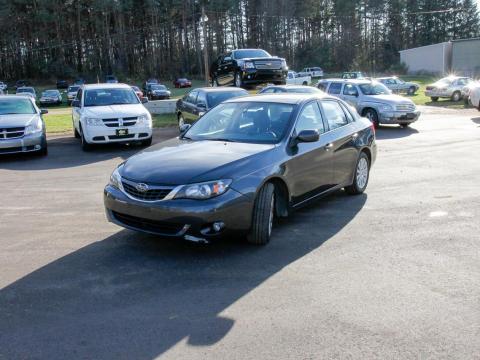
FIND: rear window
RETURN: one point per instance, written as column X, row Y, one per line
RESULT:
column 215, row 98
column 335, row 88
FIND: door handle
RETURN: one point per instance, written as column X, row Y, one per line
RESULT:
column 328, row 146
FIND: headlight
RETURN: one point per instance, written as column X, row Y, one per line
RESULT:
column 34, row 126
column 144, row 120
column 386, row 108
column 203, row 191
column 116, row 179
column 284, row 64
column 94, row 122
column 248, row 65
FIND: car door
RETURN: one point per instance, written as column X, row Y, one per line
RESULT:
column 350, row 94
column 341, row 140
column 310, row 168
column 189, row 105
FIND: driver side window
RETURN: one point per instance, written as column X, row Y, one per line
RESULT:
column 310, row 119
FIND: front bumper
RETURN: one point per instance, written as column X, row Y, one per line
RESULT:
column 104, row 134
column 180, row 218
column 27, row 143
column 399, row 117
column 257, row 76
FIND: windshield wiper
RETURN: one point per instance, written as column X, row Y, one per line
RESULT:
column 221, row 139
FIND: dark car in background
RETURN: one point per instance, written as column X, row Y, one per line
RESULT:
column 245, row 162
column 297, row 89
column 79, row 81
column 182, row 83
column 158, row 92
column 21, row 83
column 248, row 67
column 22, row 128
column 198, row 101
column 3, row 86
column 111, row 79
column 146, row 84
column 27, row 91
column 51, row 97
column 62, row 84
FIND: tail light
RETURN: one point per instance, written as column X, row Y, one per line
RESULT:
column 372, row 126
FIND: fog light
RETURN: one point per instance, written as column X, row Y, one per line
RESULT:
column 37, row 147
column 218, row 226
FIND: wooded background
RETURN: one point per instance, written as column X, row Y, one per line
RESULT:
column 46, row 39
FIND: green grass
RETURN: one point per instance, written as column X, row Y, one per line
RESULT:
column 62, row 123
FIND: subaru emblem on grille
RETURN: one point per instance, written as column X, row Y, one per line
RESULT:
column 141, row 187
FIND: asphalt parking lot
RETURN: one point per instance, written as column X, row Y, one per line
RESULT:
column 394, row 273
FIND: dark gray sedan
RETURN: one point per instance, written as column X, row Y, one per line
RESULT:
column 245, row 162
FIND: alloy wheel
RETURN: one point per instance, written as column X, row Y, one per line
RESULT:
column 362, row 173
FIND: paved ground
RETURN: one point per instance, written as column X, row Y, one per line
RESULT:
column 391, row 274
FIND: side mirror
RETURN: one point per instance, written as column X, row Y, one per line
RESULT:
column 184, row 128
column 202, row 105
column 43, row 111
column 76, row 103
column 144, row 100
column 305, row 136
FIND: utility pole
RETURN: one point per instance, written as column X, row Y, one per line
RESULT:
column 205, row 48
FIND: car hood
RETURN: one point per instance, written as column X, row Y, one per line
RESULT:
column 388, row 99
column 17, row 120
column 262, row 58
column 116, row 111
column 177, row 162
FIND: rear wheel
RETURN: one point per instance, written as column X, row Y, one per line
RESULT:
column 362, row 174
column 456, row 96
column 263, row 214
column 372, row 115
column 434, row 98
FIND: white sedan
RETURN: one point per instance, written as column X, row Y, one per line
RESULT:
column 106, row 113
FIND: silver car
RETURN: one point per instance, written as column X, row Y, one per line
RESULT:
column 72, row 93
column 449, row 87
column 373, row 100
column 22, row 128
column 398, row 85
column 28, row 91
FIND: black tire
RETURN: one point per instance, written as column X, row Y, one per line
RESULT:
column 466, row 101
column 404, row 125
column 372, row 115
column 181, row 121
column 44, row 149
column 76, row 133
column 434, row 98
column 411, row 90
column 358, row 186
column 304, row 83
column 147, row 142
column 456, row 96
column 237, row 80
column 85, row 145
column 263, row 213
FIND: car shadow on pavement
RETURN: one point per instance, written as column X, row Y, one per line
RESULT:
column 394, row 132
column 66, row 152
column 476, row 120
column 135, row 296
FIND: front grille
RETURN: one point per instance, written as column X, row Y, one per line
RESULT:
column 128, row 121
column 12, row 133
column 405, row 107
column 268, row 64
column 117, row 137
column 155, row 226
column 154, row 193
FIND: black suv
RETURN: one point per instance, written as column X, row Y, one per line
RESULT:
column 247, row 67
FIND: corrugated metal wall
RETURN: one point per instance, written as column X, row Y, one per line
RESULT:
column 466, row 57
column 433, row 59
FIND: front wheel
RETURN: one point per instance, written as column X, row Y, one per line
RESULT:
column 147, row 142
column 434, row 98
column 181, row 121
column 411, row 90
column 263, row 214
column 86, row 146
column 362, row 174
column 372, row 115
column 238, row 80
column 457, row 96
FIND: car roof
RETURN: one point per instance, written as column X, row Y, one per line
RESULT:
column 290, row 98
column 105, row 85
column 220, row 89
column 354, row 81
column 13, row 96
column 287, row 87
column 387, row 77
column 25, row 87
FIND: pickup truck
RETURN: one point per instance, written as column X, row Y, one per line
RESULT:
column 294, row 78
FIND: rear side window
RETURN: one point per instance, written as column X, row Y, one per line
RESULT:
column 310, row 119
column 334, row 114
column 350, row 90
column 335, row 88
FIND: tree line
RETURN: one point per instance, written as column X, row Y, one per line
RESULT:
column 44, row 39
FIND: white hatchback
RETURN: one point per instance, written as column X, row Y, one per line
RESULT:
column 106, row 113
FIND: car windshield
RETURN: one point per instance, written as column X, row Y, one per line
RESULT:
column 215, row 98
column 50, row 93
column 246, row 122
column 182, row 79
column 159, row 87
column 254, row 53
column 25, row 90
column 374, row 89
column 16, row 106
column 445, row 81
column 106, row 97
